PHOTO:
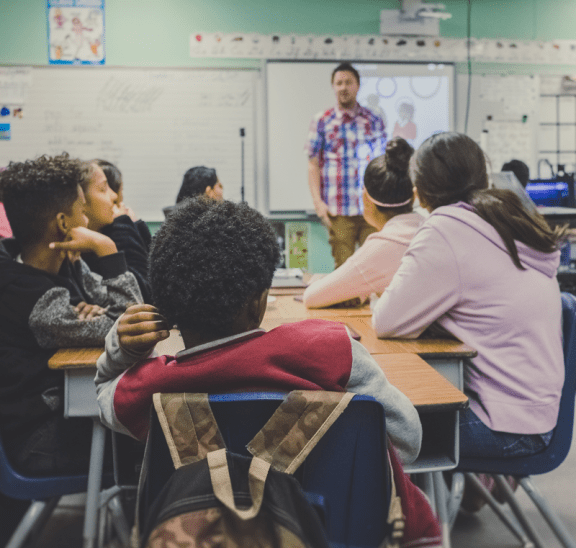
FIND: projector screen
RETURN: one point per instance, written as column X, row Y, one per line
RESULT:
column 415, row 101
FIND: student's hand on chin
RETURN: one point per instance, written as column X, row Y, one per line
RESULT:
column 141, row 327
column 83, row 240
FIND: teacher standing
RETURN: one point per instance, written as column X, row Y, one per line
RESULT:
column 341, row 143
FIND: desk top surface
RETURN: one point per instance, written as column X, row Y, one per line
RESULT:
column 287, row 309
column 424, row 386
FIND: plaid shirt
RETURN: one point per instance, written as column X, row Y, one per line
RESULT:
column 344, row 144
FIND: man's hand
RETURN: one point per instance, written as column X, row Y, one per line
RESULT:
column 314, row 182
column 141, row 327
column 89, row 311
column 322, row 212
column 83, row 240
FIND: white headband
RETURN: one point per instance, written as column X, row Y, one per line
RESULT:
column 389, row 205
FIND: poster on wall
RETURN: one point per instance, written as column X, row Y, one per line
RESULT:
column 76, row 32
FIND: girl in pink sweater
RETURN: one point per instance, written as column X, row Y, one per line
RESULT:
column 388, row 199
column 483, row 268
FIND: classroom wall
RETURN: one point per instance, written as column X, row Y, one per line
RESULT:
column 152, row 33
column 146, row 33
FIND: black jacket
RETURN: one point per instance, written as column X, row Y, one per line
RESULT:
column 37, row 316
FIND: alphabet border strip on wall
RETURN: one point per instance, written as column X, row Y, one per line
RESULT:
column 380, row 48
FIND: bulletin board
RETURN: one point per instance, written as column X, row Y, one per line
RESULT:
column 153, row 124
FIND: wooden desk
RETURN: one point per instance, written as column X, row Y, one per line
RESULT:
column 426, row 388
column 275, row 291
column 437, row 400
column 286, row 310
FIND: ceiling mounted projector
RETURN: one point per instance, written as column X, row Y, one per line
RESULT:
column 412, row 10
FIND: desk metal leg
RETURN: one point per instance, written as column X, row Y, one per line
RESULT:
column 428, row 488
column 441, row 507
column 94, row 483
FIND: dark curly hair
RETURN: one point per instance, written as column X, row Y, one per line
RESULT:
column 35, row 191
column 207, row 260
column 387, row 178
column 195, row 181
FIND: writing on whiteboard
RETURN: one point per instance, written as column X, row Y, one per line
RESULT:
column 119, row 96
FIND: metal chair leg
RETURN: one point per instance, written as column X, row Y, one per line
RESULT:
column 33, row 520
column 549, row 515
column 518, row 512
column 119, row 521
column 455, row 497
column 514, row 528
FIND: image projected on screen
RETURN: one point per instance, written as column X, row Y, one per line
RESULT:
column 412, row 107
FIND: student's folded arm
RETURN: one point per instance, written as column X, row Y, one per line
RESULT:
column 115, row 289
column 344, row 283
column 402, row 421
column 426, row 286
column 55, row 324
column 109, row 369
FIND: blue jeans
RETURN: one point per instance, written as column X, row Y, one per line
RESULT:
column 479, row 441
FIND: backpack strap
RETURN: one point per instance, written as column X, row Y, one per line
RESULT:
column 395, row 516
column 296, row 427
column 188, row 425
column 222, row 485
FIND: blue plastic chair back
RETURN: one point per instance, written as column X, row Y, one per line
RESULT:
column 347, row 472
column 17, row 486
column 559, row 446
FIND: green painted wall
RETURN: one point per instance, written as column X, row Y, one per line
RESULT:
column 156, row 33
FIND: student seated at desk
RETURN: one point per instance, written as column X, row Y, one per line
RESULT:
column 388, row 197
column 483, row 268
column 211, row 266
column 116, row 183
column 198, row 181
column 47, row 302
column 107, row 217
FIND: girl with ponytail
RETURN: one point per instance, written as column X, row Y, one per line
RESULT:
column 388, row 197
column 484, row 269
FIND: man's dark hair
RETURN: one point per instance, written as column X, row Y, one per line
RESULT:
column 35, row 191
column 113, row 174
column 520, row 169
column 346, row 67
column 195, row 181
column 207, row 260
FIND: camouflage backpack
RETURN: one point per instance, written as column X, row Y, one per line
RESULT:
column 216, row 498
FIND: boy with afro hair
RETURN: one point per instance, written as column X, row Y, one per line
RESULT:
column 211, row 266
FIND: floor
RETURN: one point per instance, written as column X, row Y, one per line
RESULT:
column 481, row 530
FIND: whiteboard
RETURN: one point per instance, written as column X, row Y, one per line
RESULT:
column 153, row 124
column 503, row 116
column 296, row 91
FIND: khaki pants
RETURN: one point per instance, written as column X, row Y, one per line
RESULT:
column 345, row 233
